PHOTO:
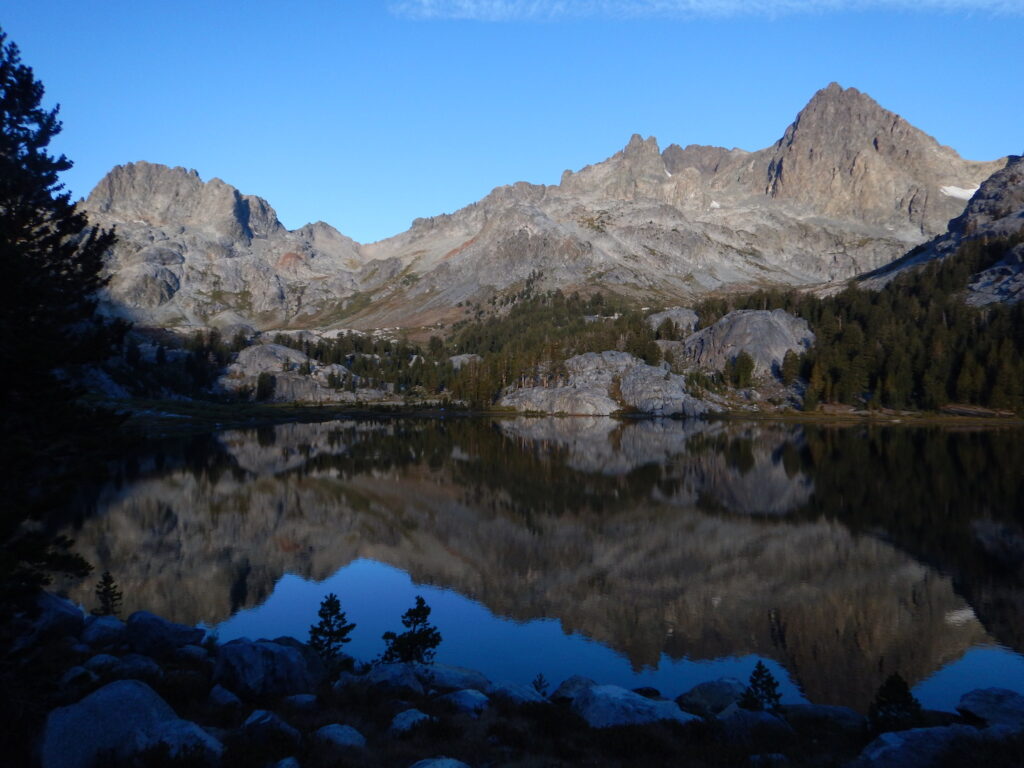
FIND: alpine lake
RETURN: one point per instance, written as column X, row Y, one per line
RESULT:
column 657, row 553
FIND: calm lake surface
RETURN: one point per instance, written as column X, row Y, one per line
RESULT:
column 658, row 553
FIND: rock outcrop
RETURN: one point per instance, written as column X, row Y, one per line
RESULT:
column 994, row 219
column 599, row 384
column 765, row 335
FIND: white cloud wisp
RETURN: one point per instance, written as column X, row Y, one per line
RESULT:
column 554, row 10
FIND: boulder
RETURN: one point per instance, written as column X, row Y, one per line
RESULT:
column 407, row 720
column 102, row 663
column 520, row 694
column 103, row 631
column 135, row 666
column 264, row 668
column 709, row 698
column 916, row 748
column 446, row 677
column 301, row 702
column 685, row 319
column 51, row 617
column 603, row 383
column 106, row 720
column 180, row 737
column 192, row 654
column 746, row 726
column 224, row 701
column 337, row 739
column 77, row 681
column 994, row 707
column 468, row 700
column 266, row 729
column 287, row 762
column 439, row 762
column 400, row 678
column 820, row 718
column 571, row 688
column 149, row 634
column 603, row 706
column 766, row 335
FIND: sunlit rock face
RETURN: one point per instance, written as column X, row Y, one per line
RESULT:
column 642, row 536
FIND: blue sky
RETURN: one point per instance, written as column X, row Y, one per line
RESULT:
column 368, row 114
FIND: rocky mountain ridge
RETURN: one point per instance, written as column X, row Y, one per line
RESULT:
column 848, row 188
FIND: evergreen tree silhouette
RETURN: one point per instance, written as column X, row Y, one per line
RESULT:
column 762, row 692
column 418, row 642
column 332, row 632
column 109, row 596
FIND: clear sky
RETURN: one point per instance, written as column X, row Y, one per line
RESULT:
column 369, row 113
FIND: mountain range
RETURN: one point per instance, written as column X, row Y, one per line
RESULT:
column 848, row 189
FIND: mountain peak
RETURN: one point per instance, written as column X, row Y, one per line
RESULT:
column 158, row 195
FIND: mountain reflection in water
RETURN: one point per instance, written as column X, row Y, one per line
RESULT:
column 843, row 554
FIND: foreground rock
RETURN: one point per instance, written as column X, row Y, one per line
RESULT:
column 599, row 384
column 994, row 707
column 916, row 748
column 265, row 668
column 603, row 706
column 153, row 636
column 109, row 719
column 709, row 698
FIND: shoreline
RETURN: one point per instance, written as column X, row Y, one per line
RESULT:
column 169, row 418
column 148, row 689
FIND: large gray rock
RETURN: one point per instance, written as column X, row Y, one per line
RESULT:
column 338, row 739
column 51, row 617
column 135, row 666
column 264, row 668
column 397, row 677
column 103, row 631
column 267, row 729
column 447, row 677
column 469, row 701
column 685, row 320
column 520, row 694
column 603, row 383
column 181, row 737
column 603, row 706
column 995, row 707
column 407, row 720
column 108, row 719
column 709, row 698
column 821, row 718
column 744, row 726
column 764, row 335
column 153, row 636
column 571, row 687
column 916, row 748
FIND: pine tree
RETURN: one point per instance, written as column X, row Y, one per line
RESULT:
column 109, row 596
column 332, row 632
column 418, row 642
column 762, row 692
column 894, row 707
column 51, row 262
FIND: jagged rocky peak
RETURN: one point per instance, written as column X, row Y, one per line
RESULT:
column 160, row 196
column 849, row 157
column 635, row 171
column 706, row 160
